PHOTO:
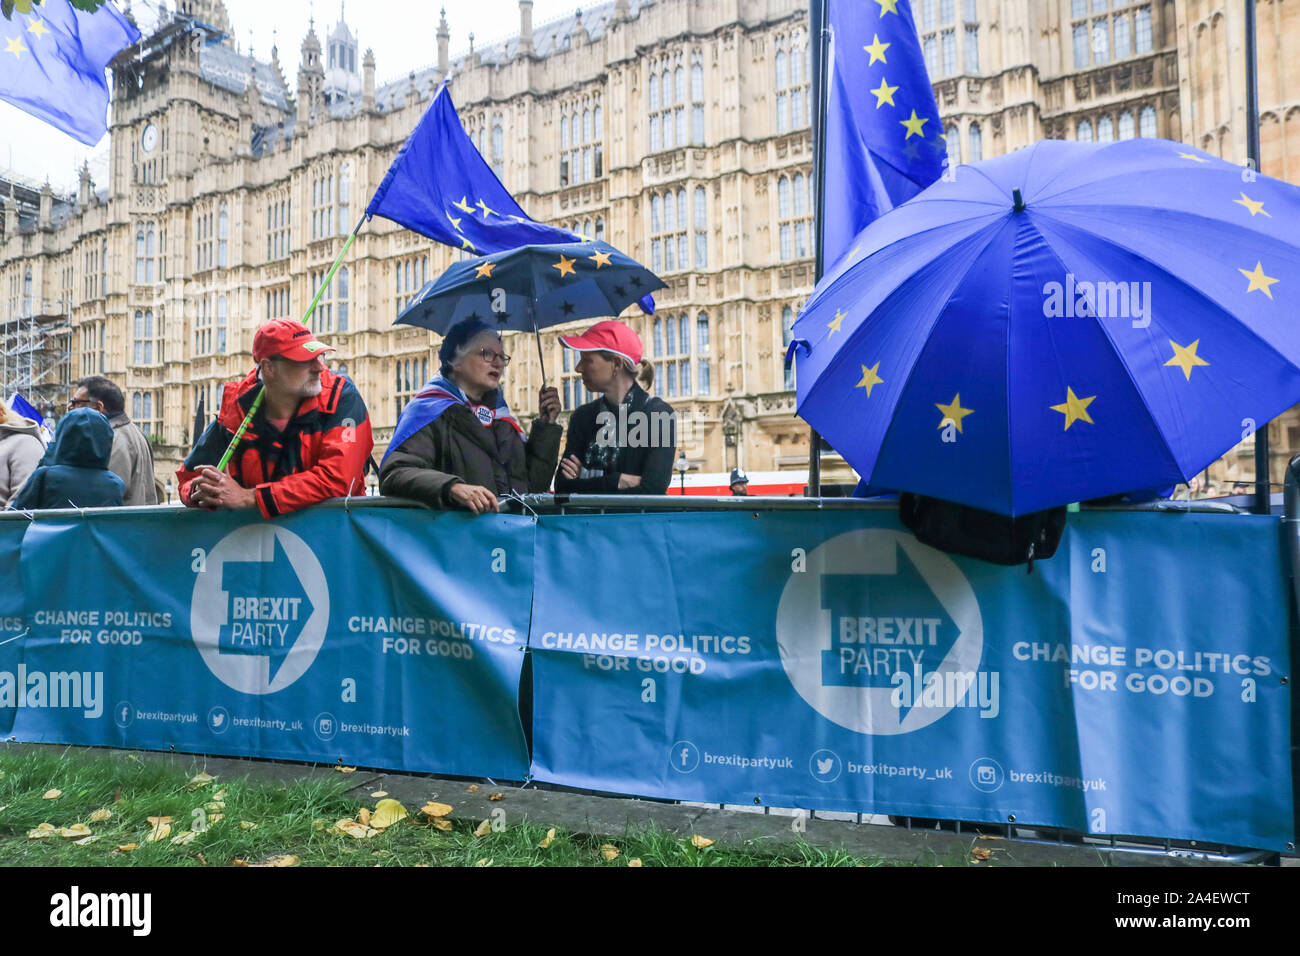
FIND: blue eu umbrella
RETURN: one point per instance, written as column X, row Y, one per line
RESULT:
column 533, row 287
column 1069, row 321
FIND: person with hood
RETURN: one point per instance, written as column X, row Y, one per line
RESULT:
column 21, row 449
column 624, row 441
column 132, row 458
column 309, row 441
column 74, row 472
column 457, row 445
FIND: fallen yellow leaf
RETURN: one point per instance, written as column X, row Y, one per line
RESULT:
column 635, row 861
column 127, row 847
column 285, row 859
column 609, row 851
column 548, row 839
column 497, row 796
column 42, row 831
column 483, row 829
column 160, row 832
column 220, row 794
column 75, row 832
column 980, row 854
column 99, row 816
column 52, row 794
column 432, row 809
column 700, row 842
column 442, row 824
column 199, row 780
column 184, row 838
column 216, row 817
column 247, row 825
column 484, row 862
column 85, row 841
column 387, row 812
column 342, row 769
column 215, row 805
column 472, row 788
column 363, row 816
column 379, row 793
column 239, row 863
column 352, row 828
column 157, row 820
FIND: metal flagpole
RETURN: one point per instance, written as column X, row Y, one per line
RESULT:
column 257, row 402
column 817, row 25
column 1262, row 485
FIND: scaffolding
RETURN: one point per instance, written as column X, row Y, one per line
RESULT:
column 36, row 357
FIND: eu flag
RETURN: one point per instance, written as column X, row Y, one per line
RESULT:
column 884, row 138
column 52, row 62
column 440, row 187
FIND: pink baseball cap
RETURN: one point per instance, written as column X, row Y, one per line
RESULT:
column 608, row 336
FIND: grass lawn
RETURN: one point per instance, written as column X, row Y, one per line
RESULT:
column 96, row 810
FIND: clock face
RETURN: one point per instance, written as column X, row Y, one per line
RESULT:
column 150, row 138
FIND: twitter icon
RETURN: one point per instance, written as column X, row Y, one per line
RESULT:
column 218, row 720
column 825, row 766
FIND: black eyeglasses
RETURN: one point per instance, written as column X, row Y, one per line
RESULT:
column 81, row 402
column 491, row 357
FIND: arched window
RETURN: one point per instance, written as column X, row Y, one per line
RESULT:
column 697, row 99
column 679, row 85
column 341, row 295
column 953, row 137
column 596, row 122
column 223, row 235
column 1083, row 132
column 782, row 96
column 564, row 131
column 499, row 146
column 136, row 406
column 139, row 254
column 586, row 126
column 1147, row 122
column 1105, row 130
column 976, row 143
column 783, row 198
column 787, row 333
column 1126, row 125
column 701, row 228
column 221, row 324
column 345, row 197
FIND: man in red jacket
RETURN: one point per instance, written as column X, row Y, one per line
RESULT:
column 309, row 441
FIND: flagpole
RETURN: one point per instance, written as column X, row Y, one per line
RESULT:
column 1263, row 496
column 817, row 26
column 261, row 392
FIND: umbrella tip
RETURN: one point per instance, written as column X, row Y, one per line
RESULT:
column 1020, row 201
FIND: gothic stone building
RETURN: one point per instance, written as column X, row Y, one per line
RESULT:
column 677, row 130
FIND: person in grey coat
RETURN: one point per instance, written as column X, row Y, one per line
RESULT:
column 132, row 457
column 457, row 445
column 21, row 448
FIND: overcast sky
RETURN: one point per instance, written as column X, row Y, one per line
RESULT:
column 401, row 32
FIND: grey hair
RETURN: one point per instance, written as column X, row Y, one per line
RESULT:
column 465, row 348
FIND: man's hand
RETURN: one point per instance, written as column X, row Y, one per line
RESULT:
column 626, row 481
column 571, row 467
column 548, row 408
column 216, row 490
column 474, row 498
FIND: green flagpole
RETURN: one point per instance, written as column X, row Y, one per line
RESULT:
column 257, row 402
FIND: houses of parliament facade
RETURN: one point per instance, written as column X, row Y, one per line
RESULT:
column 679, row 131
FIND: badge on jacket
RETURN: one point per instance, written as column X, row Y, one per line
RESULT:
column 484, row 414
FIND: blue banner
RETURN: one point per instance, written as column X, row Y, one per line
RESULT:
column 380, row 637
column 830, row 661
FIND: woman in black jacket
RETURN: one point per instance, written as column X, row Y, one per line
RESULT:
column 457, row 445
column 623, row 442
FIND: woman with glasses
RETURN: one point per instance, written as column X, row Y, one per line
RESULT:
column 457, row 445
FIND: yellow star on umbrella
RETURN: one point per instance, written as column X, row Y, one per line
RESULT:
column 455, row 221
column 565, row 266
column 884, row 93
column 484, row 271
column 835, row 323
column 1074, row 408
column 888, row 6
column 877, row 49
column 1255, row 207
column 869, row 378
column 484, row 206
column 463, row 206
column 914, row 125
column 953, row 413
column 1258, row 280
column 39, row 28
column 15, row 46
column 600, row 258
column 1193, row 157
column 1185, row 357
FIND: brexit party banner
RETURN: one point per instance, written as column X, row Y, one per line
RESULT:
column 1134, row 684
column 380, row 637
column 12, row 628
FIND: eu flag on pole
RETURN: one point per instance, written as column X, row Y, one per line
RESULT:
column 52, row 61
column 884, row 138
column 441, row 187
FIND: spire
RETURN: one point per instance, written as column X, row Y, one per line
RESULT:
column 443, row 36
column 525, row 27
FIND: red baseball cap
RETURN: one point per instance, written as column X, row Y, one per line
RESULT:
column 289, row 339
column 608, row 336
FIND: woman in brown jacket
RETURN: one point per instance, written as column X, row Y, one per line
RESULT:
column 457, row 445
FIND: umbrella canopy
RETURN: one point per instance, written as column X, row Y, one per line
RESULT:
column 532, row 287
column 1069, row 321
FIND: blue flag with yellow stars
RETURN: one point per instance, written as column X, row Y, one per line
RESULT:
column 441, row 187
column 884, row 138
column 52, row 61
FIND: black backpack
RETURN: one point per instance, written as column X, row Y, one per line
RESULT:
column 960, row 529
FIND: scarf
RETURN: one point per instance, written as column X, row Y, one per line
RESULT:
column 438, row 395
